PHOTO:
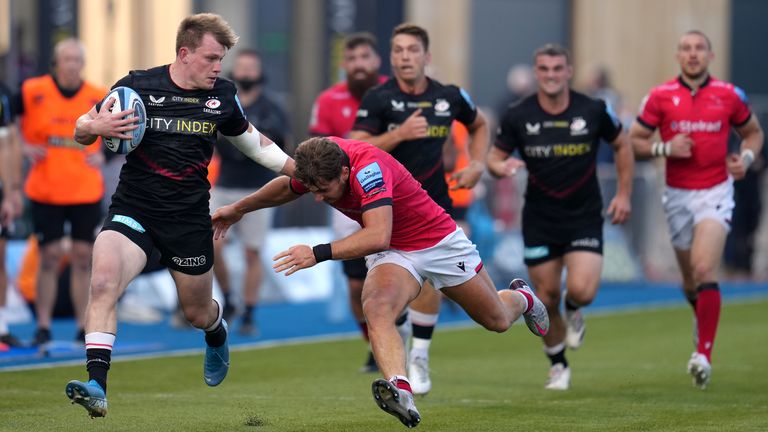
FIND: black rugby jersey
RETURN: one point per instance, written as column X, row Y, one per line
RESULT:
column 386, row 107
column 560, row 153
column 168, row 170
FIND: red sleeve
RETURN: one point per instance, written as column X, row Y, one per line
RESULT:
column 650, row 115
column 297, row 187
column 740, row 113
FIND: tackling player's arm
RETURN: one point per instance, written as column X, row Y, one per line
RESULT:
column 103, row 122
column 373, row 237
column 278, row 191
column 752, row 138
column 263, row 151
column 468, row 177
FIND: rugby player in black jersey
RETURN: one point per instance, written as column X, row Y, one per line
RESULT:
column 410, row 116
column 161, row 202
column 557, row 132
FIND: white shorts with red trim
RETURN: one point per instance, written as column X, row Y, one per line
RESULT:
column 687, row 207
column 452, row 261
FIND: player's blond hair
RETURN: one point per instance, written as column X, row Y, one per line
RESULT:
column 194, row 27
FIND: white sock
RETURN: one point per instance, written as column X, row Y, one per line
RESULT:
column 3, row 323
column 99, row 340
column 423, row 319
column 420, row 347
column 554, row 349
column 218, row 317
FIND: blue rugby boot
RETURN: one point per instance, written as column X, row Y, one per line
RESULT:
column 216, row 362
column 90, row 395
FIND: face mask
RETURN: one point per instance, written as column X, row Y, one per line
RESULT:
column 248, row 84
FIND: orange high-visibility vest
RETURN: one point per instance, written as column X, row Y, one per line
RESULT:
column 62, row 177
column 460, row 136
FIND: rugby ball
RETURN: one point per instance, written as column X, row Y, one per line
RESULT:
column 127, row 98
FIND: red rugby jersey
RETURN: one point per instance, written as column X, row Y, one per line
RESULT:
column 707, row 116
column 376, row 179
column 334, row 111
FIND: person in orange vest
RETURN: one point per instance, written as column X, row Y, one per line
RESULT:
column 64, row 184
column 456, row 158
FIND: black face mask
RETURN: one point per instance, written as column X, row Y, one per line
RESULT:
column 248, row 84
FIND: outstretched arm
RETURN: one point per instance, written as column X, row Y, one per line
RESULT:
column 262, row 150
column 276, row 192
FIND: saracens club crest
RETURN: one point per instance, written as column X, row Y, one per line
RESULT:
column 213, row 103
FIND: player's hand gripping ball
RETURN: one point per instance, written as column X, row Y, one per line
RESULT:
column 127, row 98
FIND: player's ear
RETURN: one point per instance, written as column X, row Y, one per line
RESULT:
column 344, row 174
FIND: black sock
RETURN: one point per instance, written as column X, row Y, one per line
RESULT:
column 559, row 357
column 401, row 319
column 248, row 314
column 97, row 365
column 691, row 298
column 216, row 338
column 570, row 306
column 423, row 332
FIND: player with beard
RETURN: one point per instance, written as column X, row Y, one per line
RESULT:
column 410, row 116
column 333, row 114
column 694, row 114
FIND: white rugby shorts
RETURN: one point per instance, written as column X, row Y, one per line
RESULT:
column 687, row 207
column 452, row 261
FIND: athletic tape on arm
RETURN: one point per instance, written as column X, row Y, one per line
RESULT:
column 249, row 143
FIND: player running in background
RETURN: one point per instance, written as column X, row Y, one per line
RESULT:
column 406, row 238
column 694, row 113
column 333, row 114
column 410, row 117
column 161, row 202
column 557, row 132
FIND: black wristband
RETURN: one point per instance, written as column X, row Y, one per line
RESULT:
column 322, row 252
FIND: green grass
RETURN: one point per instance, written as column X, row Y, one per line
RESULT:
column 629, row 376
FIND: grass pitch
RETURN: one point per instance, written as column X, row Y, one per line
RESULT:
column 629, row 376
